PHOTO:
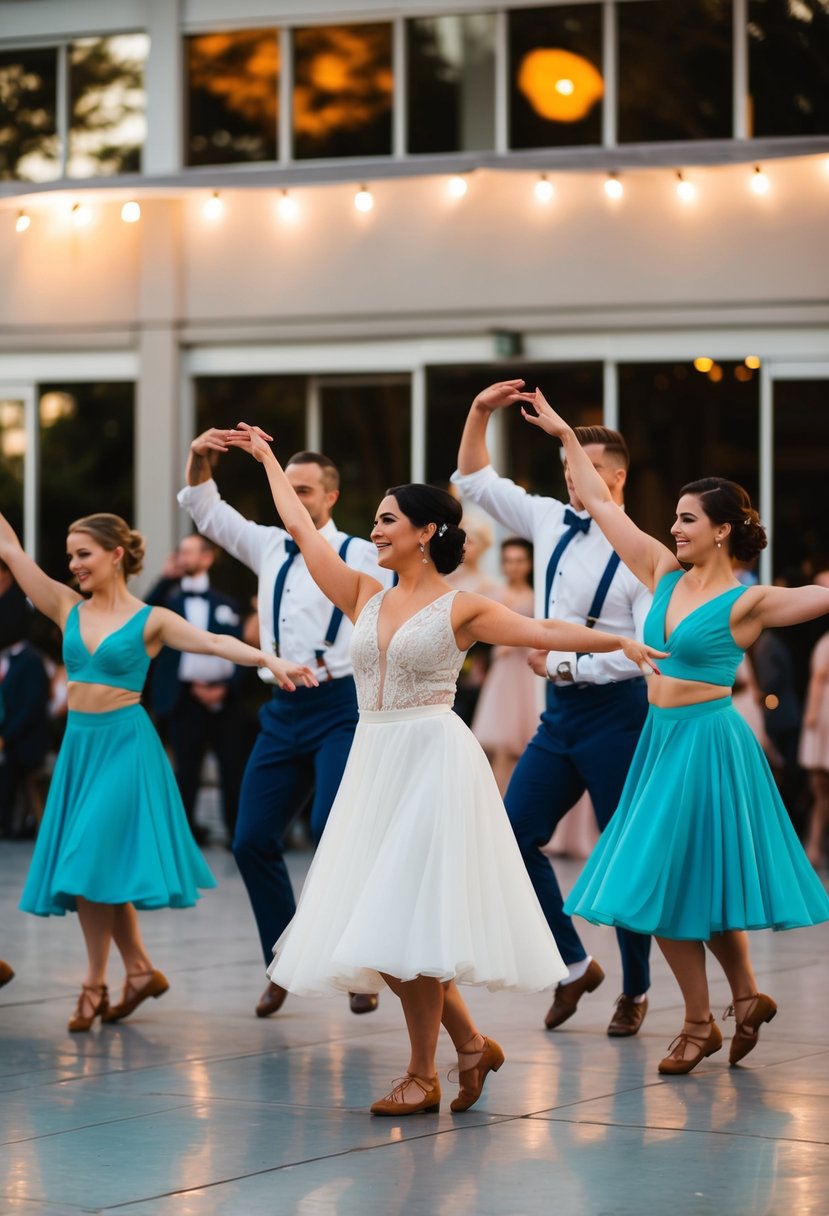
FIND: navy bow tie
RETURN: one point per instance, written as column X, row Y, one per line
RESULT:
column 196, row 595
column 575, row 521
column 291, row 548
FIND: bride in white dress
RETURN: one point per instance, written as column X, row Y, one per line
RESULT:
column 417, row 883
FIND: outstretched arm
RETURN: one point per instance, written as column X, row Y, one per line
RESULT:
column 50, row 597
column 776, row 607
column 346, row 588
column 477, row 619
column 647, row 557
column 473, row 453
column 167, row 628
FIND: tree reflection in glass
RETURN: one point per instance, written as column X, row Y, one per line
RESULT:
column 28, row 115
column 342, row 91
column 233, row 93
column 788, row 43
column 450, row 82
column 107, row 105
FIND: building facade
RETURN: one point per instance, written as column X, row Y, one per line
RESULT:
column 339, row 220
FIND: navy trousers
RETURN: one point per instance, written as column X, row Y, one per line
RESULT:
column 585, row 741
column 302, row 746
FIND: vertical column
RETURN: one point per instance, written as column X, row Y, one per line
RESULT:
column 743, row 120
column 766, row 497
column 418, row 424
column 165, row 88
column 610, row 71
column 158, row 460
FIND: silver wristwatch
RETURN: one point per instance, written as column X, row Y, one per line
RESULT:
column 564, row 671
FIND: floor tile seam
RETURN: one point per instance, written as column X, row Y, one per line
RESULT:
column 696, row 1131
column 42, row 1200
column 614, row 1093
column 275, row 1169
column 83, row 1127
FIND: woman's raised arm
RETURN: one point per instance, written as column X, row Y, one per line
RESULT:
column 647, row 557
column 346, row 588
column 50, row 597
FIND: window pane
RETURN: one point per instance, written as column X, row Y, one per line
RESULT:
column 233, row 82
column 277, row 404
column 788, row 45
column 527, row 458
column 12, row 450
column 801, row 441
column 365, row 431
column 451, row 83
column 684, row 42
column 107, row 105
column 28, row 130
column 86, row 460
column 556, row 84
column 342, row 91
column 681, row 424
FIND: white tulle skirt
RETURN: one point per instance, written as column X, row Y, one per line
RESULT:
column 417, row 872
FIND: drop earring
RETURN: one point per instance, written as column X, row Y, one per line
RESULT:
column 424, row 558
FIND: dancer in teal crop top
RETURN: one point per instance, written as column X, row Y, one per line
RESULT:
column 700, row 848
column 114, row 836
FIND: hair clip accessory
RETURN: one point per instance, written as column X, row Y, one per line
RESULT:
column 441, row 529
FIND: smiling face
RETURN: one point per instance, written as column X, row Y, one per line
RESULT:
column 694, row 532
column 397, row 539
column 92, row 566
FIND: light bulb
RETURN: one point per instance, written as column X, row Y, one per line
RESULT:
column 544, row 189
column 703, row 364
column 759, row 183
column 286, row 207
column 364, row 199
column 613, row 188
column 685, row 190
column 565, row 87
column 213, row 207
column 458, row 186
column 23, row 221
column 81, row 215
column 131, row 212
column 752, row 361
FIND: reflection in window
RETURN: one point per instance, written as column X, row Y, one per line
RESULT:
column 107, row 105
column 342, row 91
column 366, row 432
column 528, row 457
column 682, row 424
column 12, row 451
column 233, row 81
column 675, row 70
column 86, row 460
column 277, row 404
column 451, row 83
column 556, row 84
column 788, row 67
column 28, row 115
column 801, row 441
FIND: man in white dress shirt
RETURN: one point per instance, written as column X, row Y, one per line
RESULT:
column 306, row 735
column 596, row 704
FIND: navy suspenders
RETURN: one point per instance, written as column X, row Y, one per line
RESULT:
column 292, row 549
column 602, row 590
column 336, row 616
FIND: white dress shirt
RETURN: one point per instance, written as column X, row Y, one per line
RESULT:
column 201, row 668
column 579, row 571
column 305, row 613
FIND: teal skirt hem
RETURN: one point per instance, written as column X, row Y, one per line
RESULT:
column 114, row 829
column 701, row 842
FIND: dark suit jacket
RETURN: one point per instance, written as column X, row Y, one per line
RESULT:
column 24, row 708
column 224, row 617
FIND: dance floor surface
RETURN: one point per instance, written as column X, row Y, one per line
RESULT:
column 194, row 1107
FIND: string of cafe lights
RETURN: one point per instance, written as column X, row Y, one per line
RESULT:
column 288, row 209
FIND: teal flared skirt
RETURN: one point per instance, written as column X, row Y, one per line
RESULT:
column 700, row 841
column 114, row 829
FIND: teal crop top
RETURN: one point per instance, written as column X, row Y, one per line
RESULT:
column 120, row 660
column 701, row 647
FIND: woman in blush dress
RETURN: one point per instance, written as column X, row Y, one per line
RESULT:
column 506, row 715
column 114, row 837
column 700, row 848
column 814, row 750
column 417, row 883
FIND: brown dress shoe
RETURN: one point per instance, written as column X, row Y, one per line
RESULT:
column 6, row 973
column 139, row 986
column 490, row 1059
column 426, row 1095
column 92, row 1003
column 567, row 996
column 628, row 1016
column 679, row 1061
column 271, row 1001
column 363, row 1002
column 756, row 1010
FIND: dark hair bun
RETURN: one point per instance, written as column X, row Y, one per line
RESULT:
column 748, row 537
column 424, row 505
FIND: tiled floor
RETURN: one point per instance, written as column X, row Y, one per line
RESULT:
column 194, row 1106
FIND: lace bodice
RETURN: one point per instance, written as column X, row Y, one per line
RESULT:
column 421, row 664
